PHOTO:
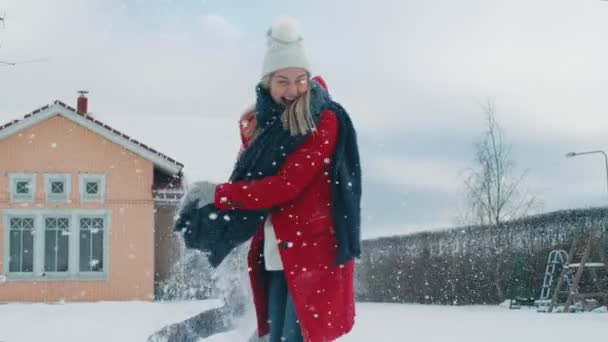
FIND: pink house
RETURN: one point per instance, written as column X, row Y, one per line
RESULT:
column 86, row 211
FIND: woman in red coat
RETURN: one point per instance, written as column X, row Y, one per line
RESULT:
column 300, row 291
column 297, row 183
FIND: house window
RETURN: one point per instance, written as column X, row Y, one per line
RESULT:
column 22, row 187
column 56, row 244
column 92, row 187
column 91, row 244
column 57, row 187
column 21, row 245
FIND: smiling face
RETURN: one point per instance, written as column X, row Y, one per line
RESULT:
column 288, row 84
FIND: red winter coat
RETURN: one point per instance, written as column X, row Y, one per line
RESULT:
column 322, row 292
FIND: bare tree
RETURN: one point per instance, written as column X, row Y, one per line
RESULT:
column 494, row 192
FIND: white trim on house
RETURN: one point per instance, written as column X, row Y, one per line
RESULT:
column 98, row 178
column 168, row 196
column 49, row 179
column 13, row 179
column 74, row 216
column 57, row 109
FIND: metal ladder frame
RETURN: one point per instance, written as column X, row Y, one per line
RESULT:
column 556, row 257
column 573, row 286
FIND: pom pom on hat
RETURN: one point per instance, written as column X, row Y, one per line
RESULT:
column 285, row 29
column 285, row 48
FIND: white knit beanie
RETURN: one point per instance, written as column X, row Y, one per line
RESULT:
column 285, row 48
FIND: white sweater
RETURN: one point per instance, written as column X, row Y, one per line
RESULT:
column 272, row 258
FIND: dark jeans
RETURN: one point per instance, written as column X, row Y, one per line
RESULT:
column 284, row 325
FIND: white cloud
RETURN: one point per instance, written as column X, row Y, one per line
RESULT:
column 217, row 25
column 434, row 175
column 168, row 68
column 419, row 65
column 400, row 67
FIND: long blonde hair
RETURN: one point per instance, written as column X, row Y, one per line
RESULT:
column 296, row 117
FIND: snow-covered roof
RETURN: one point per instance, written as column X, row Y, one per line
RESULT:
column 159, row 160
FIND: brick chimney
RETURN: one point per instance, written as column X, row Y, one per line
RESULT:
column 82, row 105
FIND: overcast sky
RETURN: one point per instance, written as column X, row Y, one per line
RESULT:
column 413, row 74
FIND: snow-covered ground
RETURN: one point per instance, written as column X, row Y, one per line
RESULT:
column 134, row 321
column 102, row 321
column 432, row 323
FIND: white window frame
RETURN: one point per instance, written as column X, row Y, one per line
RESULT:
column 49, row 179
column 7, row 228
column 106, row 218
column 20, row 177
column 73, row 272
column 101, row 187
column 42, row 254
